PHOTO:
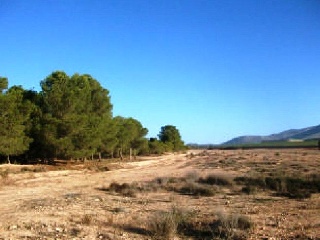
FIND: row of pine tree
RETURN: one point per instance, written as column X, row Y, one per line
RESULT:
column 71, row 118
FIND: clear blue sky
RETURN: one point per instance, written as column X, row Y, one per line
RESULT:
column 215, row 69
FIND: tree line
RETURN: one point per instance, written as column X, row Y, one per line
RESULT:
column 71, row 118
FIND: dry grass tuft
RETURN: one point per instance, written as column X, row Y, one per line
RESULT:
column 4, row 174
column 231, row 226
column 5, row 178
column 124, row 189
column 87, row 219
column 166, row 225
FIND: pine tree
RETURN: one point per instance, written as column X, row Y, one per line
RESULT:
column 170, row 135
column 75, row 109
column 14, row 114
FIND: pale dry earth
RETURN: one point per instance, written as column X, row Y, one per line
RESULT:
column 70, row 202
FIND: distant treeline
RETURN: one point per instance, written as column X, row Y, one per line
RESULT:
column 71, row 118
column 312, row 143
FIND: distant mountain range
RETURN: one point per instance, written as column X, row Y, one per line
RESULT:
column 296, row 134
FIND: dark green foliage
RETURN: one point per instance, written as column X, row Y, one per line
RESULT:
column 156, row 146
column 130, row 134
column 70, row 118
column 170, row 135
column 3, row 84
column 75, row 109
column 108, row 137
column 34, row 126
column 14, row 115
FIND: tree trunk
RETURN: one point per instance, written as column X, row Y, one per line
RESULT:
column 130, row 156
column 120, row 154
column 8, row 159
column 99, row 156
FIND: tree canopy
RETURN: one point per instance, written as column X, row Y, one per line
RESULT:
column 71, row 118
column 75, row 111
column 14, row 114
column 170, row 135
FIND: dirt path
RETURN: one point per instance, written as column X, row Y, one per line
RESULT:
column 24, row 196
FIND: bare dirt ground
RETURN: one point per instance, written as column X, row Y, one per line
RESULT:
column 75, row 201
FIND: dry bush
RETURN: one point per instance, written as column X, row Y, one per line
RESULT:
column 4, row 174
column 5, row 178
column 152, row 186
column 191, row 155
column 87, row 219
column 163, row 226
column 289, row 186
column 40, row 169
column 196, row 189
column 192, row 176
column 162, row 181
column 124, row 189
column 217, row 179
column 26, row 169
column 102, row 169
column 166, row 225
column 188, row 185
column 97, row 167
column 131, row 190
column 231, row 226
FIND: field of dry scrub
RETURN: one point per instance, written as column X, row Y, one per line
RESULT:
column 196, row 195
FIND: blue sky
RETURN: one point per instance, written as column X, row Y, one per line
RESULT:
column 214, row 69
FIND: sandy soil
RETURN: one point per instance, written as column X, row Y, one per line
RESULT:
column 70, row 202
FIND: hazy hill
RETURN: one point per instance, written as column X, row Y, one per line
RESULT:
column 302, row 134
